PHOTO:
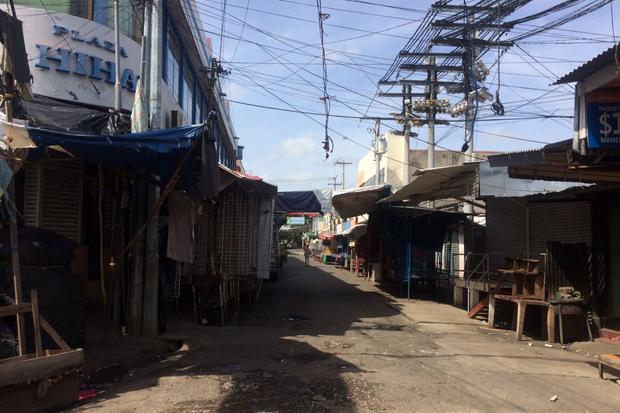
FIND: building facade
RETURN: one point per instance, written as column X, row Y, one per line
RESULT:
column 70, row 47
column 396, row 168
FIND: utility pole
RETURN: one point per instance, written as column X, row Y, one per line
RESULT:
column 344, row 165
column 432, row 112
column 117, row 57
column 334, row 182
column 407, row 96
column 379, row 148
column 469, row 62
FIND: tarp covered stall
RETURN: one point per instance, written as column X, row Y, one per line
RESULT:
column 159, row 152
column 297, row 201
column 359, row 201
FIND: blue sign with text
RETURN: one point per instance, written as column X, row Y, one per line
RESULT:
column 603, row 125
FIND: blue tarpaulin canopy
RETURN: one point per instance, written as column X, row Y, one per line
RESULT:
column 159, row 152
column 297, row 201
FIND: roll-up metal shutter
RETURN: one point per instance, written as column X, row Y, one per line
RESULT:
column 569, row 222
column 506, row 232
column 53, row 197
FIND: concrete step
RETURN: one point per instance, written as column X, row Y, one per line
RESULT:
column 611, row 335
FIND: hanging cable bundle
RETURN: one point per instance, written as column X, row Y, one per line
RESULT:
column 328, row 143
column 497, row 106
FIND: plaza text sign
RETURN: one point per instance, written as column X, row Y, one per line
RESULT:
column 72, row 58
column 78, row 63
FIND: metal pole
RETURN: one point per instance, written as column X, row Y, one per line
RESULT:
column 117, row 57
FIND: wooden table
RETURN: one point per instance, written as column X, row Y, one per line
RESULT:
column 608, row 360
column 523, row 302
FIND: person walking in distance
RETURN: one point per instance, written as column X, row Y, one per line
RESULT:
column 307, row 254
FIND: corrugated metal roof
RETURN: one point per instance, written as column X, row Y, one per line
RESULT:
column 602, row 60
column 429, row 180
column 531, row 157
column 358, row 201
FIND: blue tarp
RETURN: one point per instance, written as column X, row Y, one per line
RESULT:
column 158, row 152
column 297, row 201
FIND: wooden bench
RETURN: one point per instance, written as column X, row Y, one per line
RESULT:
column 608, row 360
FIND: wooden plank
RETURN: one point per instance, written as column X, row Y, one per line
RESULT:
column 521, row 306
column 478, row 307
column 18, row 358
column 41, row 367
column 53, row 334
column 14, row 309
column 36, row 322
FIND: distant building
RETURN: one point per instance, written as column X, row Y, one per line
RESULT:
column 394, row 168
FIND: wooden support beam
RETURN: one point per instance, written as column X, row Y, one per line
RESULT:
column 418, row 82
column 425, row 67
column 470, row 202
column 445, row 24
column 36, row 322
column 53, row 334
column 400, row 95
column 458, row 7
column 15, row 309
column 447, row 55
column 445, row 41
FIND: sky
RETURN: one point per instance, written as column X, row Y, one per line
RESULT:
column 272, row 49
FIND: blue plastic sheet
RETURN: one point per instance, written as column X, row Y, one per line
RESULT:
column 158, row 152
column 297, row 201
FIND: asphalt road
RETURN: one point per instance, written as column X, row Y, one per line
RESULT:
column 323, row 340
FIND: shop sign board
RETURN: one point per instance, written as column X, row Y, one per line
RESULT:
column 72, row 58
column 604, row 125
column 295, row 220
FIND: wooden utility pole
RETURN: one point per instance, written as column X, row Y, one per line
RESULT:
column 344, row 165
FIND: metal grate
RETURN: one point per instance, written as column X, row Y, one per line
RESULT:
column 234, row 241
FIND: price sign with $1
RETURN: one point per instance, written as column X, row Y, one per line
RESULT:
column 604, row 125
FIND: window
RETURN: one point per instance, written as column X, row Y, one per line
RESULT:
column 187, row 97
column 172, row 66
column 197, row 115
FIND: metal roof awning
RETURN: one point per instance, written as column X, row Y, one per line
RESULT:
column 356, row 231
column 599, row 62
column 554, row 162
column 358, row 201
column 438, row 183
column 250, row 182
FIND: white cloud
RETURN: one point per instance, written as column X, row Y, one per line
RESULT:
column 296, row 148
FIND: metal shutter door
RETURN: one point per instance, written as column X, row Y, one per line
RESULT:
column 569, row 222
column 506, row 228
column 53, row 198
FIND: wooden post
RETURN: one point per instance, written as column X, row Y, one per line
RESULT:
column 17, row 278
column 101, row 253
column 521, row 306
column 551, row 323
column 36, row 322
column 492, row 303
column 136, row 277
column 151, row 273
